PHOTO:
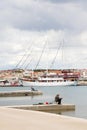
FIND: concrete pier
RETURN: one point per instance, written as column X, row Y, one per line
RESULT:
column 20, row 93
column 47, row 107
column 18, row 119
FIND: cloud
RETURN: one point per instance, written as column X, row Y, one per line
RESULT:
column 26, row 26
column 31, row 44
column 40, row 15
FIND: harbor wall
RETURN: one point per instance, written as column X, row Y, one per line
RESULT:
column 20, row 93
column 47, row 107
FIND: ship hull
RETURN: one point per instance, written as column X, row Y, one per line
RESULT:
column 66, row 83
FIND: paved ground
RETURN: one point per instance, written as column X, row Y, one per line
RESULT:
column 16, row 119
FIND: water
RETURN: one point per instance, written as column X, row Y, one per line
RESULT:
column 71, row 95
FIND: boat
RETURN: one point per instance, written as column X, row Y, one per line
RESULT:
column 12, row 82
column 49, row 79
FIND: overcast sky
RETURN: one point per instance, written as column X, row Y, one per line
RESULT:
column 43, row 34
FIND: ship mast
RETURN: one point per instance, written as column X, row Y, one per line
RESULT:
column 54, row 59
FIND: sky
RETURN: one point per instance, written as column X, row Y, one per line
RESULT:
column 41, row 34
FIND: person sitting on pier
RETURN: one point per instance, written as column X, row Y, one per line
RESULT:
column 33, row 89
column 58, row 99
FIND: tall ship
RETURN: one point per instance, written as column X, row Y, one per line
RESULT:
column 47, row 78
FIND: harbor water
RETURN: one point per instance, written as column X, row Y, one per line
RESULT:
column 71, row 95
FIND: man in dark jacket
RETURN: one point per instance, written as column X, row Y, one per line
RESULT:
column 58, row 99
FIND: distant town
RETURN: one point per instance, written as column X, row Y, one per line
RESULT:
column 79, row 75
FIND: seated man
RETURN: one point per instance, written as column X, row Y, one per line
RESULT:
column 58, row 99
column 33, row 89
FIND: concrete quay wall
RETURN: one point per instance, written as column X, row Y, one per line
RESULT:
column 20, row 93
column 47, row 107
